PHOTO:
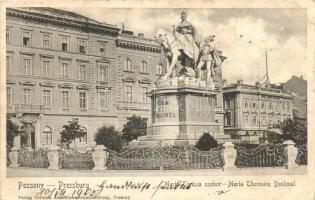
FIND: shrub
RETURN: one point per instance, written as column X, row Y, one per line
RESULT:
column 206, row 142
column 71, row 131
column 109, row 137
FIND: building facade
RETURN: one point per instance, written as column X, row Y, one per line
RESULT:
column 297, row 87
column 251, row 111
column 61, row 65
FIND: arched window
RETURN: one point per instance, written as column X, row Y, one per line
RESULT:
column 47, row 135
column 83, row 138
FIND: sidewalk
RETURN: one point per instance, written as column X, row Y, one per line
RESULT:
column 37, row 172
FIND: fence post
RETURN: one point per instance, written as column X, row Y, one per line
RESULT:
column 292, row 153
column 229, row 154
column 14, row 157
column 99, row 157
column 53, row 157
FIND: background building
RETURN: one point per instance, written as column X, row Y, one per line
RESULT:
column 297, row 87
column 61, row 65
column 250, row 111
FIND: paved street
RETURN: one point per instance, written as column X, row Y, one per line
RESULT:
column 33, row 172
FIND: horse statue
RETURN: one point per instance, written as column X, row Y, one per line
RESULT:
column 178, row 49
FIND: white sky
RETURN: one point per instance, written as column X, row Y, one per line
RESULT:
column 242, row 35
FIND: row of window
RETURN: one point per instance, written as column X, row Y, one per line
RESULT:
column 128, row 67
column 130, row 96
column 47, row 95
column 47, row 41
column 264, row 104
column 253, row 119
column 26, row 68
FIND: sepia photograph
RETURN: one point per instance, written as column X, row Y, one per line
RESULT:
column 154, row 91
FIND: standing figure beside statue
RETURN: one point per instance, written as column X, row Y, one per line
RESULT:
column 209, row 57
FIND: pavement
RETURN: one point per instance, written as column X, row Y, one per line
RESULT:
column 38, row 172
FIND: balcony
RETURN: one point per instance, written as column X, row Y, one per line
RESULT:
column 133, row 106
column 29, row 108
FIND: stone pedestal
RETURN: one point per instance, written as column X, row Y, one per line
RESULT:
column 229, row 155
column 182, row 110
column 14, row 157
column 99, row 158
column 53, row 157
column 292, row 153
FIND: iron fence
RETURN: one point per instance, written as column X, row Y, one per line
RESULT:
column 73, row 159
column 36, row 158
column 166, row 157
column 264, row 155
column 301, row 157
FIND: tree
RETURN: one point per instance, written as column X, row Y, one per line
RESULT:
column 109, row 137
column 206, row 142
column 293, row 130
column 71, row 131
column 12, row 132
column 135, row 127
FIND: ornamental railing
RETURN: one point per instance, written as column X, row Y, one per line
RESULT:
column 265, row 155
column 74, row 159
column 301, row 157
column 35, row 158
column 164, row 157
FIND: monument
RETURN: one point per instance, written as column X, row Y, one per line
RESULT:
column 184, row 102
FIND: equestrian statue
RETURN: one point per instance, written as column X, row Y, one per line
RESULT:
column 186, row 53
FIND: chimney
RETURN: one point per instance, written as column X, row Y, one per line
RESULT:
column 301, row 77
column 240, row 81
column 141, row 35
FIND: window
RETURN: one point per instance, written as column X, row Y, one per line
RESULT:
column 103, row 75
column 82, row 96
column 82, row 72
column 64, row 70
column 9, row 95
column 83, row 138
column 8, row 36
column 47, row 135
column 64, row 43
column 102, row 48
column 8, row 64
column 127, row 65
column 82, row 46
column 46, row 41
column 278, row 106
column 262, row 105
column 254, row 105
column 159, row 69
column 246, row 118
column 128, row 93
column 103, row 100
column 26, row 66
column 47, row 98
column 26, row 38
column 270, row 105
column 246, row 103
column 46, row 68
column 227, row 103
column 254, row 122
column 65, row 96
column 145, row 98
column 144, row 67
column 26, row 99
column 228, row 119
column 264, row 122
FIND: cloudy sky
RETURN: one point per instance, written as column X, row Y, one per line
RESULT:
column 242, row 35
